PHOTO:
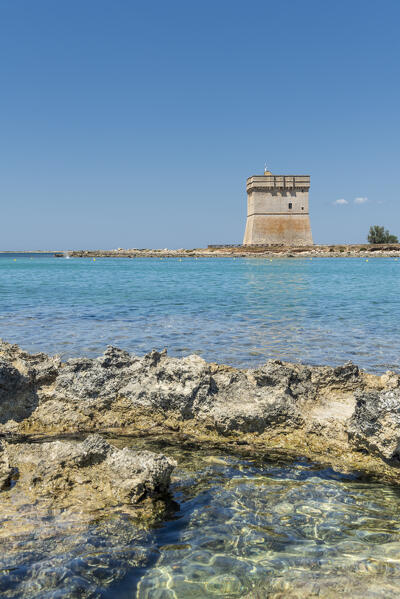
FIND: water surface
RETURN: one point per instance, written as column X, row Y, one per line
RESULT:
column 249, row 528
column 236, row 311
column 244, row 528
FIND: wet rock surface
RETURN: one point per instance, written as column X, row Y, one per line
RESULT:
column 92, row 474
column 340, row 416
column 246, row 528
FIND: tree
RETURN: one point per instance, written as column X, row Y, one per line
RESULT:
column 379, row 234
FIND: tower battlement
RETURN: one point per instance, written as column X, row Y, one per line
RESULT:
column 277, row 210
column 279, row 182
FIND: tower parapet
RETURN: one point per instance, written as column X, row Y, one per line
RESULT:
column 277, row 210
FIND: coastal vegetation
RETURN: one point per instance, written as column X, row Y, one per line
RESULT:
column 378, row 234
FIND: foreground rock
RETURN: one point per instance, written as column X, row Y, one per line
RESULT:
column 340, row 416
column 5, row 468
column 92, row 474
column 375, row 424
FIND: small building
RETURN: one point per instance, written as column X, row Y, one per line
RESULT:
column 277, row 210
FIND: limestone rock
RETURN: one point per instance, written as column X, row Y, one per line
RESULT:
column 92, row 472
column 17, row 398
column 325, row 413
column 347, row 377
column 293, row 379
column 20, row 376
column 37, row 368
column 375, row 425
column 253, row 401
column 5, row 469
column 152, row 381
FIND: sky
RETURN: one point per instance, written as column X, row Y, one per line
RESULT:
column 135, row 124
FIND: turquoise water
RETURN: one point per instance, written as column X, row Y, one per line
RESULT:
column 238, row 527
column 236, row 311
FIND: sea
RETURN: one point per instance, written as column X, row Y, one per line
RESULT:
column 238, row 526
column 240, row 311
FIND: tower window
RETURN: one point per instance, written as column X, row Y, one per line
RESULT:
column 290, row 205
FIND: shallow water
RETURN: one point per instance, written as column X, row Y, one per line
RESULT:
column 236, row 311
column 245, row 528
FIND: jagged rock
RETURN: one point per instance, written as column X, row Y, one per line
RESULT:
column 5, row 469
column 20, row 375
column 253, row 401
column 347, row 377
column 139, row 474
column 391, row 380
column 92, row 472
column 38, row 368
column 312, row 410
column 169, row 384
column 152, row 381
column 375, row 425
column 292, row 379
column 18, row 398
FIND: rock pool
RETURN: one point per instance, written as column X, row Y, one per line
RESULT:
column 237, row 527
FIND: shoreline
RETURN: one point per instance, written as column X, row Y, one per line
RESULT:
column 317, row 251
column 341, row 417
column 228, row 251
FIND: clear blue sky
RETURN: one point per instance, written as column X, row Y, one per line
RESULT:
column 136, row 124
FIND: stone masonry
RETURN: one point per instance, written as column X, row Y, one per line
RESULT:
column 277, row 210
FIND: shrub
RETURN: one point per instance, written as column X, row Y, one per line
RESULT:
column 379, row 234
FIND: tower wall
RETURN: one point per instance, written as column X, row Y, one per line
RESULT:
column 277, row 210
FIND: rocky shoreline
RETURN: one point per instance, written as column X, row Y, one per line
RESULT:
column 341, row 417
column 229, row 251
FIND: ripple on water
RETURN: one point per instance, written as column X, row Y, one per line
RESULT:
column 245, row 528
column 239, row 312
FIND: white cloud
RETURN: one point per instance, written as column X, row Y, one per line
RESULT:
column 361, row 200
column 340, row 202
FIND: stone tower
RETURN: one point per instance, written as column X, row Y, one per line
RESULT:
column 277, row 210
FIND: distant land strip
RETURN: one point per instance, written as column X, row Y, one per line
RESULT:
column 237, row 251
column 30, row 251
